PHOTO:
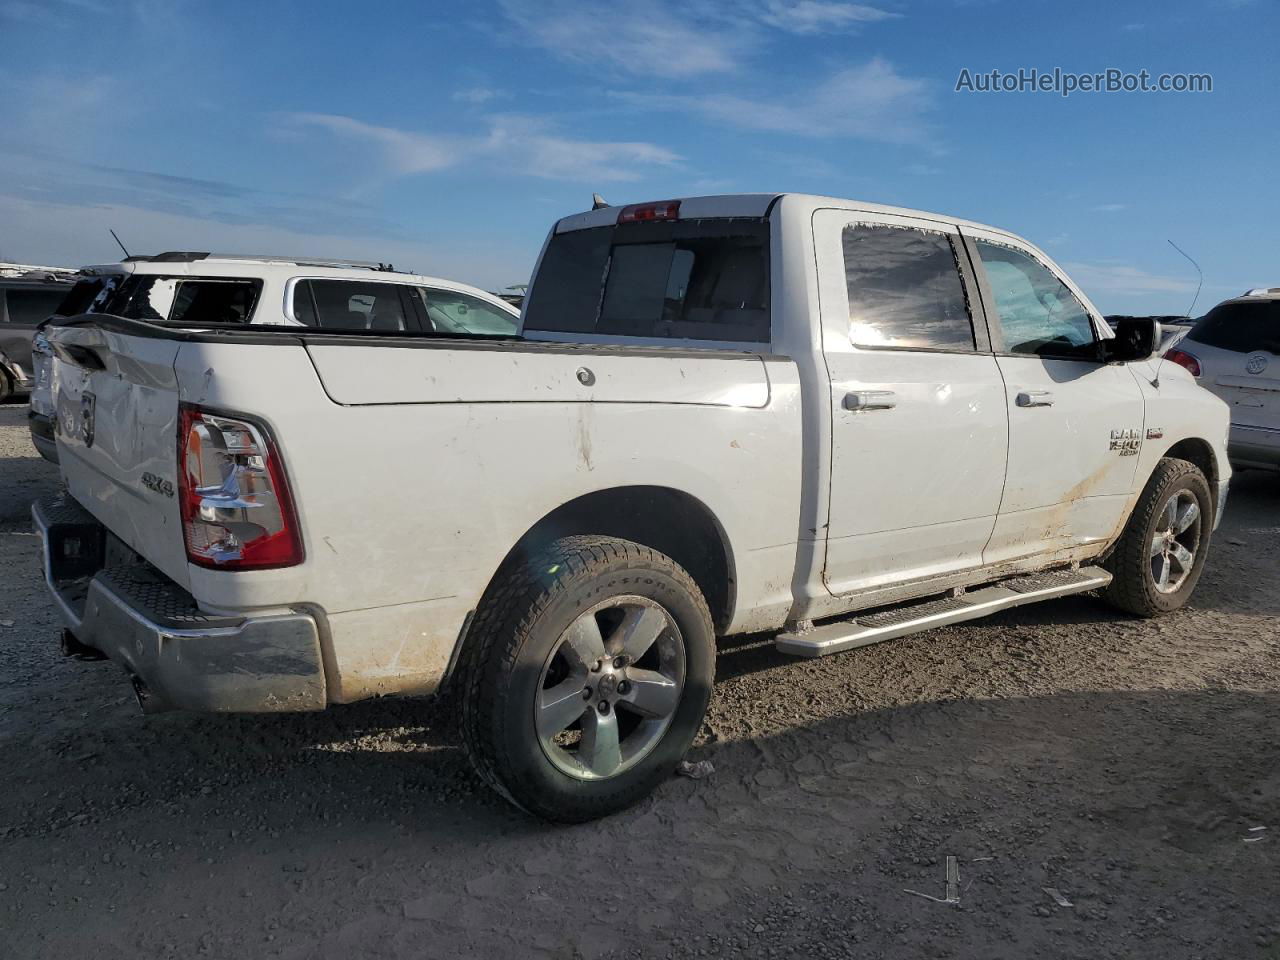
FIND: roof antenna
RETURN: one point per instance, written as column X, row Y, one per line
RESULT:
column 1156, row 382
column 1198, row 270
column 117, row 240
column 598, row 202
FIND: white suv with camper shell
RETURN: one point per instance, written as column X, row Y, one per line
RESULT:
column 832, row 420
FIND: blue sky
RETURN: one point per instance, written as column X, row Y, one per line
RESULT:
column 448, row 137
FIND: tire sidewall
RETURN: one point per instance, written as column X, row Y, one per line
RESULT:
column 529, row 764
column 1193, row 482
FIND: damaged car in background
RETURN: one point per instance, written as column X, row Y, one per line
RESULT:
column 718, row 415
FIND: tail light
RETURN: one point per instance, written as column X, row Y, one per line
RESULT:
column 1184, row 359
column 644, row 212
column 237, row 511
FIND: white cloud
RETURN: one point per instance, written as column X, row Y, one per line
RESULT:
column 645, row 37
column 1122, row 279
column 819, row 16
column 1109, row 207
column 477, row 95
column 872, row 101
column 514, row 145
column 405, row 152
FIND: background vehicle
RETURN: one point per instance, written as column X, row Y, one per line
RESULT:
column 730, row 414
column 25, row 301
column 1234, row 351
column 200, row 289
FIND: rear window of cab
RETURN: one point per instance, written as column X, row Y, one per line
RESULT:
column 687, row 279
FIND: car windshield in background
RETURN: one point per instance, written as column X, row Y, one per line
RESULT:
column 190, row 301
column 695, row 279
column 1241, row 326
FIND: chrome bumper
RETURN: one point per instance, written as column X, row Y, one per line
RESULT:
column 179, row 657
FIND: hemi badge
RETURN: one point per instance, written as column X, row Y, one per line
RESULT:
column 1155, row 433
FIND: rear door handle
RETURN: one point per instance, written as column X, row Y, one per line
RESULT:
column 862, row 400
column 1035, row 398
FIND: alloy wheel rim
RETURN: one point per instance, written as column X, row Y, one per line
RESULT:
column 1175, row 542
column 610, row 688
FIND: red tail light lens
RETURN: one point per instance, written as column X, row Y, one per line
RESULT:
column 237, row 511
column 1184, row 359
column 645, row 212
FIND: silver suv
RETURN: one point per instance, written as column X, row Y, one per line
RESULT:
column 1234, row 351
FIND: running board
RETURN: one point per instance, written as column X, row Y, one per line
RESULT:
column 868, row 628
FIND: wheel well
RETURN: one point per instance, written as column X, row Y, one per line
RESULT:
column 1197, row 451
column 667, row 520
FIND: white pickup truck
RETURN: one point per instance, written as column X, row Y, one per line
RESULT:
column 835, row 420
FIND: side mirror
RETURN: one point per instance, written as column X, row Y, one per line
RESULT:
column 1137, row 338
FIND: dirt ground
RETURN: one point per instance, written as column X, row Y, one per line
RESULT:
column 1126, row 764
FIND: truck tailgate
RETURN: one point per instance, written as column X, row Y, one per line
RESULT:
column 117, row 413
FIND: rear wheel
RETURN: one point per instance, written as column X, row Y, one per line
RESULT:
column 6, row 385
column 1161, row 554
column 589, row 672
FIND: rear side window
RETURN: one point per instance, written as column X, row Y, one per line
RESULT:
column 905, row 289
column 80, row 298
column 352, row 305
column 692, row 280
column 189, row 301
column 33, row 306
column 1241, row 326
column 1037, row 312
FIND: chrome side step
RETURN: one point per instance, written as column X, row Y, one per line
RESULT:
column 867, row 628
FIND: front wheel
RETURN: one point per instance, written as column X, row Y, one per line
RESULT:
column 1161, row 553
column 589, row 671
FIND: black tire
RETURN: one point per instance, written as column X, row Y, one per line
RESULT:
column 1133, row 588
column 512, row 642
column 6, row 386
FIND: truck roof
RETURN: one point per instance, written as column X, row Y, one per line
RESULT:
column 758, row 204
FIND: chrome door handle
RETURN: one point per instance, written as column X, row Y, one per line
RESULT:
column 862, row 400
column 1035, row 398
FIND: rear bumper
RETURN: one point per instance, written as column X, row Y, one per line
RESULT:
column 179, row 657
column 1254, row 446
column 42, row 435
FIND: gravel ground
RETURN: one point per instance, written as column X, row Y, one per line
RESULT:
column 1126, row 764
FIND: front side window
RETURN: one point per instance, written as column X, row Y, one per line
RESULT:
column 1037, row 313
column 692, row 279
column 905, row 289
column 351, row 305
column 450, row 312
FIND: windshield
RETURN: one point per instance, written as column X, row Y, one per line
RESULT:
column 1242, row 326
column 693, row 279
